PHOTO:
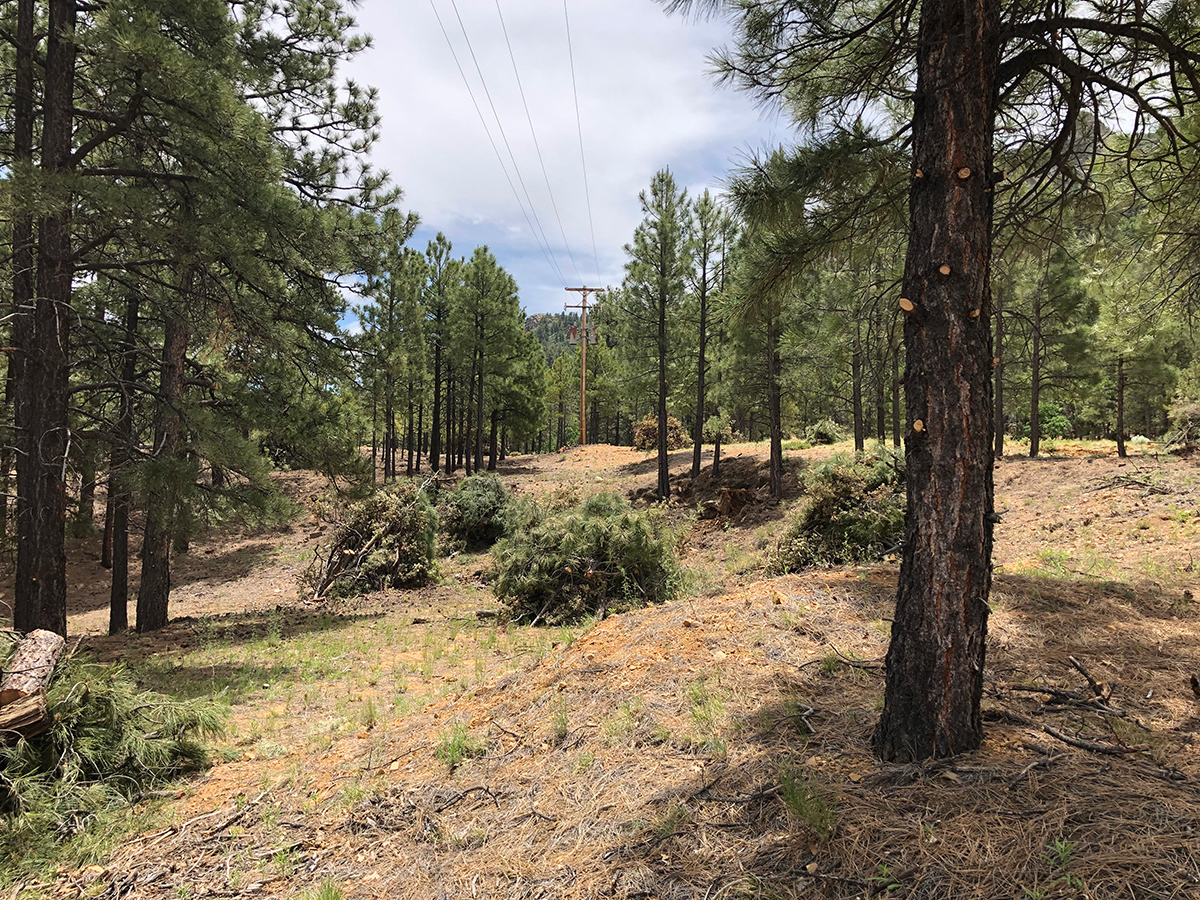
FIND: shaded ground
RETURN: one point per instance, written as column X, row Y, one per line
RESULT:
column 717, row 746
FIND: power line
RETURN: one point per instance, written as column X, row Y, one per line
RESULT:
column 536, row 145
column 579, row 125
column 500, row 126
column 499, row 158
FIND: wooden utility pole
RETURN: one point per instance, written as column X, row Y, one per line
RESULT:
column 584, row 334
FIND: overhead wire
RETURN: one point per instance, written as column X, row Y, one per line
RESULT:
column 582, row 157
column 499, row 157
column 536, row 145
column 504, row 137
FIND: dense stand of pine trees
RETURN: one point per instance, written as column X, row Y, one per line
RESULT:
column 187, row 197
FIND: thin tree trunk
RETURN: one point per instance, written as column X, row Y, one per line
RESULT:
column 1035, row 380
column 1121, row 406
column 409, row 441
column 664, row 471
column 435, row 432
column 155, row 590
column 774, row 404
column 374, row 437
column 895, row 396
column 479, row 417
column 493, row 441
column 998, row 360
column 41, row 582
column 935, row 663
column 856, row 393
column 84, row 523
column 118, row 489
column 701, row 372
column 420, row 432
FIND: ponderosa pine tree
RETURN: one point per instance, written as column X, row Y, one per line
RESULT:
column 652, row 295
column 974, row 62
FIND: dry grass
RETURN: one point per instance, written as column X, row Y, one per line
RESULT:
column 715, row 747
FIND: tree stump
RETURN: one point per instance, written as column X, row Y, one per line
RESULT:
column 30, row 666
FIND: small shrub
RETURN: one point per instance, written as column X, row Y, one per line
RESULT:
column 807, row 801
column 383, row 541
column 472, row 515
column 855, row 512
column 645, row 434
column 825, row 431
column 457, row 744
column 559, row 567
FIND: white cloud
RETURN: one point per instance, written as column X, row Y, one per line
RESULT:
column 645, row 102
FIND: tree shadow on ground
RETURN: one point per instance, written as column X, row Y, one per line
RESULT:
column 228, row 630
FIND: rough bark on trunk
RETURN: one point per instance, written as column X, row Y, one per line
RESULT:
column 435, row 434
column 31, row 665
column 155, row 589
column 23, row 248
column 1121, row 407
column 41, row 583
column 936, row 658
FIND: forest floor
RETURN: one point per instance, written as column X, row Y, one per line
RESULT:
column 403, row 744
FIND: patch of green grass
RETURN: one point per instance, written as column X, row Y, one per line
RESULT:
column 457, row 744
column 326, row 890
column 808, row 801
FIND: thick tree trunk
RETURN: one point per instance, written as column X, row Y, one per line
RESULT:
column 41, row 588
column 155, row 589
column 1035, row 380
column 16, row 390
column 119, row 493
column 1121, row 406
column 999, row 379
column 774, row 404
column 936, row 659
column 29, row 668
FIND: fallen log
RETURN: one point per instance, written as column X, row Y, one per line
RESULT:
column 31, row 665
column 23, row 718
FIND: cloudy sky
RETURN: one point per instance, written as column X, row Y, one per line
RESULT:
column 646, row 101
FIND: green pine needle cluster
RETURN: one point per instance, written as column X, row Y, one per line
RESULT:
column 110, row 744
column 855, row 512
column 561, row 566
column 472, row 515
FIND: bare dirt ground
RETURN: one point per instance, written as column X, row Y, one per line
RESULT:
column 717, row 746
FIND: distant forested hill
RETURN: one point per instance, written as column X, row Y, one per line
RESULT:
column 551, row 331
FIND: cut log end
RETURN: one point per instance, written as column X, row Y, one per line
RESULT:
column 24, row 718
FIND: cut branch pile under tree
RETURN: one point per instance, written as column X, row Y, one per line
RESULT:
column 383, row 541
